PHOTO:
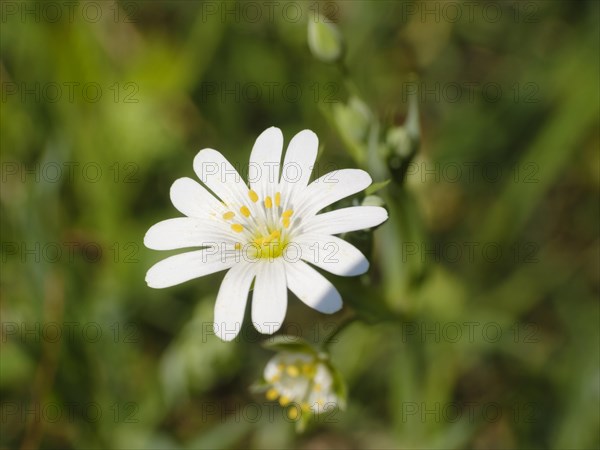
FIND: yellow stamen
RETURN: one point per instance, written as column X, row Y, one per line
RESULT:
column 286, row 222
column 228, row 215
column 284, row 400
column 245, row 211
column 305, row 407
column 237, row 227
column 287, row 213
column 293, row 413
column 268, row 202
column 238, row 246
column 307, row 369
column 277, row 198
column 272, row 394
column 274, row 235
column 274, row 378
column 292, row 371
column 253, row 196
column 317, row 387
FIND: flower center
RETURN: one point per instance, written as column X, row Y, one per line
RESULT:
column 271, row 246
column 262, row 226
column 287, row 375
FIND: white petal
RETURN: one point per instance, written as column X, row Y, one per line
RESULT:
column 220, row 176
column 300, row 158
column 312, row 288
column 183, row 232
column 231, row 301
column 345, row 220
column 329, row 189
column 187, row 266
column 323, row 376
column 269, row 300
column 265, row 159
column 272, row 368
column 332, row 254
column 191, row 199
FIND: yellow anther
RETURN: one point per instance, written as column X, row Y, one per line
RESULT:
column 237, row 227
column 284, row 400
column 253, row 195
column 245, row 211
column 286, row 222
column 265, row 240
column 274, row 378
column 238, row 246
column 317, row 387
column 268, row 202
column 228, row 215
column 287, row 213
column 272, row 394
column 307, row 369
column 293, row 413
column 277, row 198
column 292, row 371
column 305, row 407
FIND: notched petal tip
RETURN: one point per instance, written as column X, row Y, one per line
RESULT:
column 206, row 155
column 179, row 185
column 333, row 304
column 307, row 134
column 148, row 238
column 153, row 281
column 363, row 177
column 224, row 334
column 360, row 268
column 273, row 129
column 267, row 327
column 382, row 215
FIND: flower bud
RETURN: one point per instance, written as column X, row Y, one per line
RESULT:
column 305, row 383
column 324, row 40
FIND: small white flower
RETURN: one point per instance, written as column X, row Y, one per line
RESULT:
column 264, row 232
column 303, row 379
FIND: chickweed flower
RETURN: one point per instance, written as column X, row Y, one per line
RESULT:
column 265, row 232
column 302, row 379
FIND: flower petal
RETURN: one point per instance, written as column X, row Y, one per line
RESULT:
column 183, row 232
column 329, row 189
column 193, row 200
column 265, row 159
column 332, row 254
column 269, row 300
column 231, row 301
column 300, row 158
column 312, row 288
column 345, row 220
column 187, row 266
column 220, row 176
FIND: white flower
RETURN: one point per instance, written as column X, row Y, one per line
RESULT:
column 264, row 232
column 301, row 378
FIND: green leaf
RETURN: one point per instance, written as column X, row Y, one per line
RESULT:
column 377, row 186
column 287, row 343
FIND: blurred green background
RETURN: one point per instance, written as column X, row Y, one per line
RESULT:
column 478, row 321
